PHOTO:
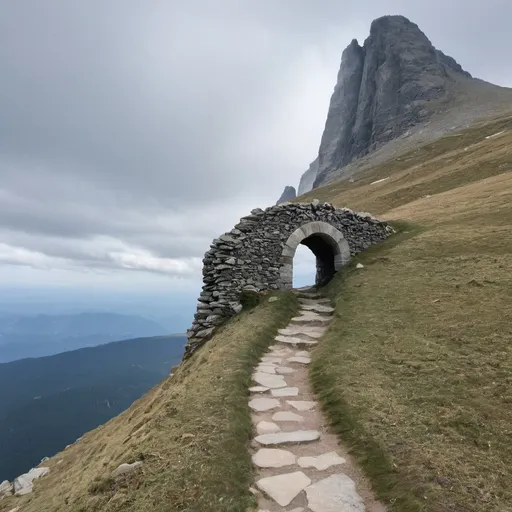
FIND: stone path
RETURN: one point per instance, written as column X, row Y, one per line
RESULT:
column 300, row 464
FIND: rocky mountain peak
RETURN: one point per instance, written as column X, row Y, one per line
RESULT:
column 288, row 194
column 393, row 82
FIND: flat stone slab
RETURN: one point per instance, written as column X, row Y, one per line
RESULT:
column 267, row 427
column 321, row 462
column 302, row 353
column 271, row 359
column 294, row 341
column 311, row 331
column 296, row 437
column 285, row 392
column 284, row 370
column 284, row 488
column 301, row 405
column 273, row 458
column 317, row 308
column 303, row 360
column 258, row 389
column 263, row 368
column 263, row 404
column 336, row 493
column 269, row 381
column 287, row 416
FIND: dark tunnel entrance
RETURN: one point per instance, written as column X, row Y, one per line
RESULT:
column 327, row 244
column 324, row 249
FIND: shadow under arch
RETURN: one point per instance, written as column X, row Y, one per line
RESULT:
column 328, row 245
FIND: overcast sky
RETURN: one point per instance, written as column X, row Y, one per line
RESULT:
column 132, row 132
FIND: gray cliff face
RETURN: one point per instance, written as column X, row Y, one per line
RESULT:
column 384, row 87
column 287, row 195
column 308, row 178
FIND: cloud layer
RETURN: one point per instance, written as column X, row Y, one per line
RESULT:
column 131, row 133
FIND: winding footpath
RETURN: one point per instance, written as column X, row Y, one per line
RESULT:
column 301, row 466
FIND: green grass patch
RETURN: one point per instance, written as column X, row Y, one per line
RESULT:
column 416, row 370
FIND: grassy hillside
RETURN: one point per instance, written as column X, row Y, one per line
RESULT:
column 416, row 371
column 191, row 433
column 414, row 374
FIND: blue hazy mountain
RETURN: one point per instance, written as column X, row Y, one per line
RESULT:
column 48, row 402
column 24, row 336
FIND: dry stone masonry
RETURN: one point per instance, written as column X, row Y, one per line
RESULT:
column 257, row 255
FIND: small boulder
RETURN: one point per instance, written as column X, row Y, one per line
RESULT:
column 5, row 488
column 124, row 469
column 359, row 265
column 273, row 299
column 24, row 483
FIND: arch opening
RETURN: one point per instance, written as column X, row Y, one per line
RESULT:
column 327, row 244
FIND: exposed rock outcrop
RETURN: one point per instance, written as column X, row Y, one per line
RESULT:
column 288, row 194
column 308, row 178
column 393, row 84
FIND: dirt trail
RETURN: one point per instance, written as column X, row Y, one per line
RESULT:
column 301, row 465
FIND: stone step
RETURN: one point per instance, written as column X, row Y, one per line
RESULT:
column 293, row 340
column 295, row 437
column 318, row 308
column 313, row 319
column 300, row 359
column 310, row 331
column 269, row 381
column 302, row 405
column 284, row 488
column 333, row 494
column 273, row 458
column 264, row 404
column 313, row 302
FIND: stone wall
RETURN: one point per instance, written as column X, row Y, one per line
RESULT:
column 257, row 255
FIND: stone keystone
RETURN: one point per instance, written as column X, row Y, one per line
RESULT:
column 284, row 488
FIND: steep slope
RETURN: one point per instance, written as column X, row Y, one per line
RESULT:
column 395, row 92
column 48, row 402
column 414, row 372
column 190, row 432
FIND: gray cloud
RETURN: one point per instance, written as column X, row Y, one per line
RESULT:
column 133, row 132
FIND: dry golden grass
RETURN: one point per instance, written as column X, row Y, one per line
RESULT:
column 191, row 432
column 416, row 371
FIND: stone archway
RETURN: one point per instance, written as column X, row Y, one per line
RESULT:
column 327, row 243
column 257, row 255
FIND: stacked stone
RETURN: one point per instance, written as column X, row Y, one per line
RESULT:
column 249, row 257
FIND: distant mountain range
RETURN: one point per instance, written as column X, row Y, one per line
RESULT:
column 47, row 403
column 41, row 335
